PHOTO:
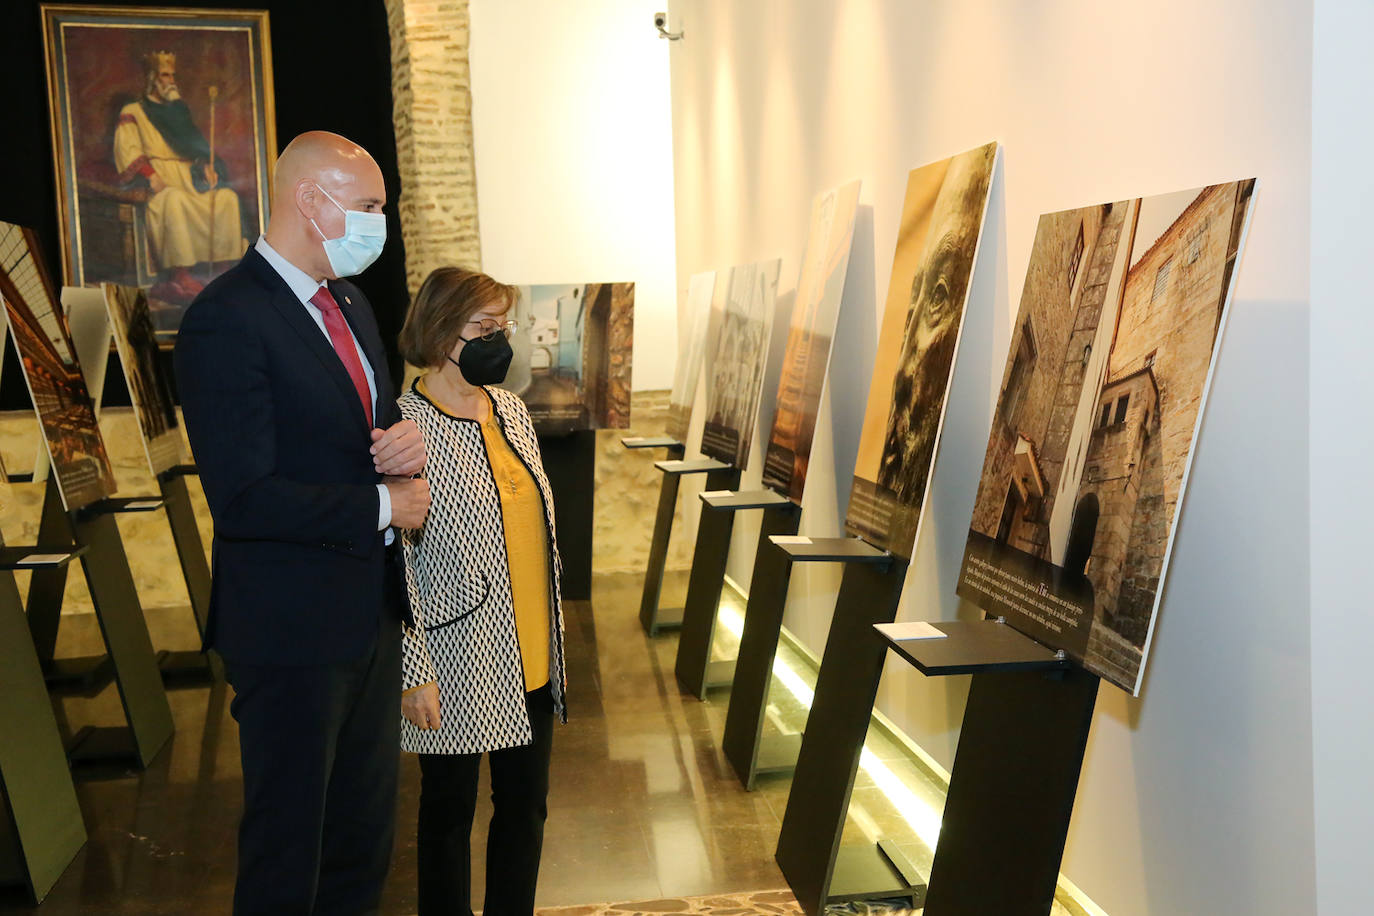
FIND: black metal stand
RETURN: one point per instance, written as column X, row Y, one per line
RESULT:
column 663, row 519
column 43, row 830
column 570, row 464
column 749, row 752
column 129, row 657
column 1016, row 769
column 181, row 516
column 719, row 476
column 87, row 674
column 818, row 869
column 695, row 671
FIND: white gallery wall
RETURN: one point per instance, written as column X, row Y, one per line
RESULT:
column 1197, row 797
column 1342, row 441
column 572, row 139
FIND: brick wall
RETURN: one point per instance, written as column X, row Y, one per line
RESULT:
column 433, row 115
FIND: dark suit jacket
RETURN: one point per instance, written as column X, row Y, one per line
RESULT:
column 300, row 570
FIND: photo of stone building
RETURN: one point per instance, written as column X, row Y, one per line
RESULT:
column 65, row 409
column 1110, row 360
column 932, row 267
column 693, row 320
column 150, row 386
column 804, row 362
column 572, row 357
column 741, row 314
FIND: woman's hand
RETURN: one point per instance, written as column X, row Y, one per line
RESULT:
column 421, row 707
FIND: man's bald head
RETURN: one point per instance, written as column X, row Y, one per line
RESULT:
column 302, row 217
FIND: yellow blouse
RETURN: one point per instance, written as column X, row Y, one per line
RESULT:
column 527, row 547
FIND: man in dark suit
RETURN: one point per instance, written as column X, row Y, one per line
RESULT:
column 306, row 465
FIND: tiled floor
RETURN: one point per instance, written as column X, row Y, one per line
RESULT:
column 643, row 803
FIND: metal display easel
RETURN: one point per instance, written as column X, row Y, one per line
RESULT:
column 1016, row 769
column 695, row 671
column 92, row 335
column 43, row 830
column 718, row 476
column 812, row 860
column 752, row 754
column 570, row 464
column 181, row 518
column 93, row 534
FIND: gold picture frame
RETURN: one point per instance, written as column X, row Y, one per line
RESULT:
column 164, row 138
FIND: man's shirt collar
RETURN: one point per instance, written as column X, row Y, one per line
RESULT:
column 301, row 283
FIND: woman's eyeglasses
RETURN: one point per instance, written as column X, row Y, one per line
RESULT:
column 487, row 328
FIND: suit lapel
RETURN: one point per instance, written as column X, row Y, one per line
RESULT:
column 294, row 314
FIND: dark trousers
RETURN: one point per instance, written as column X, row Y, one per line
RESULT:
column 448, row 801
column 320, row 750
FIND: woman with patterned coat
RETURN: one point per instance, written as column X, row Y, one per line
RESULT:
column 483, row 665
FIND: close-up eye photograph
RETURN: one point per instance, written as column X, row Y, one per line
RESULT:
column 698, row 457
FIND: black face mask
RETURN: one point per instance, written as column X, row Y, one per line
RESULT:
column 484, row 362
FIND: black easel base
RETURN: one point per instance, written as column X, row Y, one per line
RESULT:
column 1026, row 705
column 102, row 745
column 41, row 827
column 195, row 569
column 570, row 464
column 718, row 476
column 695, row 672
column 667, row 618
column 115, row 598
column 743, row 742
column 185, row 668
column 875, row 872
column 777, row 755
column 846, row 686
column 719, row 673
column 83, row 675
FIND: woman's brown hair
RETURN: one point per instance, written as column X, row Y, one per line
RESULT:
column 447, row 300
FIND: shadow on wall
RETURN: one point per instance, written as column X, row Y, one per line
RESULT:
column 856, row 342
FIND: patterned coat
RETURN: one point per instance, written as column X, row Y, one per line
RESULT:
column 460, row 591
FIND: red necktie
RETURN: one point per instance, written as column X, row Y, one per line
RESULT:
column 342, row 340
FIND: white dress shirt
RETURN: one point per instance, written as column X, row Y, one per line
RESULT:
column 304, row 286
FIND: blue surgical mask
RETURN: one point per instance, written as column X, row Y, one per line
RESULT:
column 360, row 245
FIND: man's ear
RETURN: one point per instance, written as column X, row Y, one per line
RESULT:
column 308, row 198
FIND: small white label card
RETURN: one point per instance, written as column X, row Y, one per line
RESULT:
column 144, row 504
column 42, row 559
column 633, row 440
column 790, row 539
column 716, row 494
column 909, row 629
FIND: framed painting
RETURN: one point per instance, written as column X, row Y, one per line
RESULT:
column 164, row 139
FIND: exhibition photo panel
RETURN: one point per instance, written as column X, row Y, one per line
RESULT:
column 52, row 372
column 741, row 316
column 932, row 268
column 694, row 319
column 807, row 356
column 1101, row 398
column 150, row 387
column 572, row 355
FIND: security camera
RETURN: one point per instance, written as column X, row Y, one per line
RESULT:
column 661, row 23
